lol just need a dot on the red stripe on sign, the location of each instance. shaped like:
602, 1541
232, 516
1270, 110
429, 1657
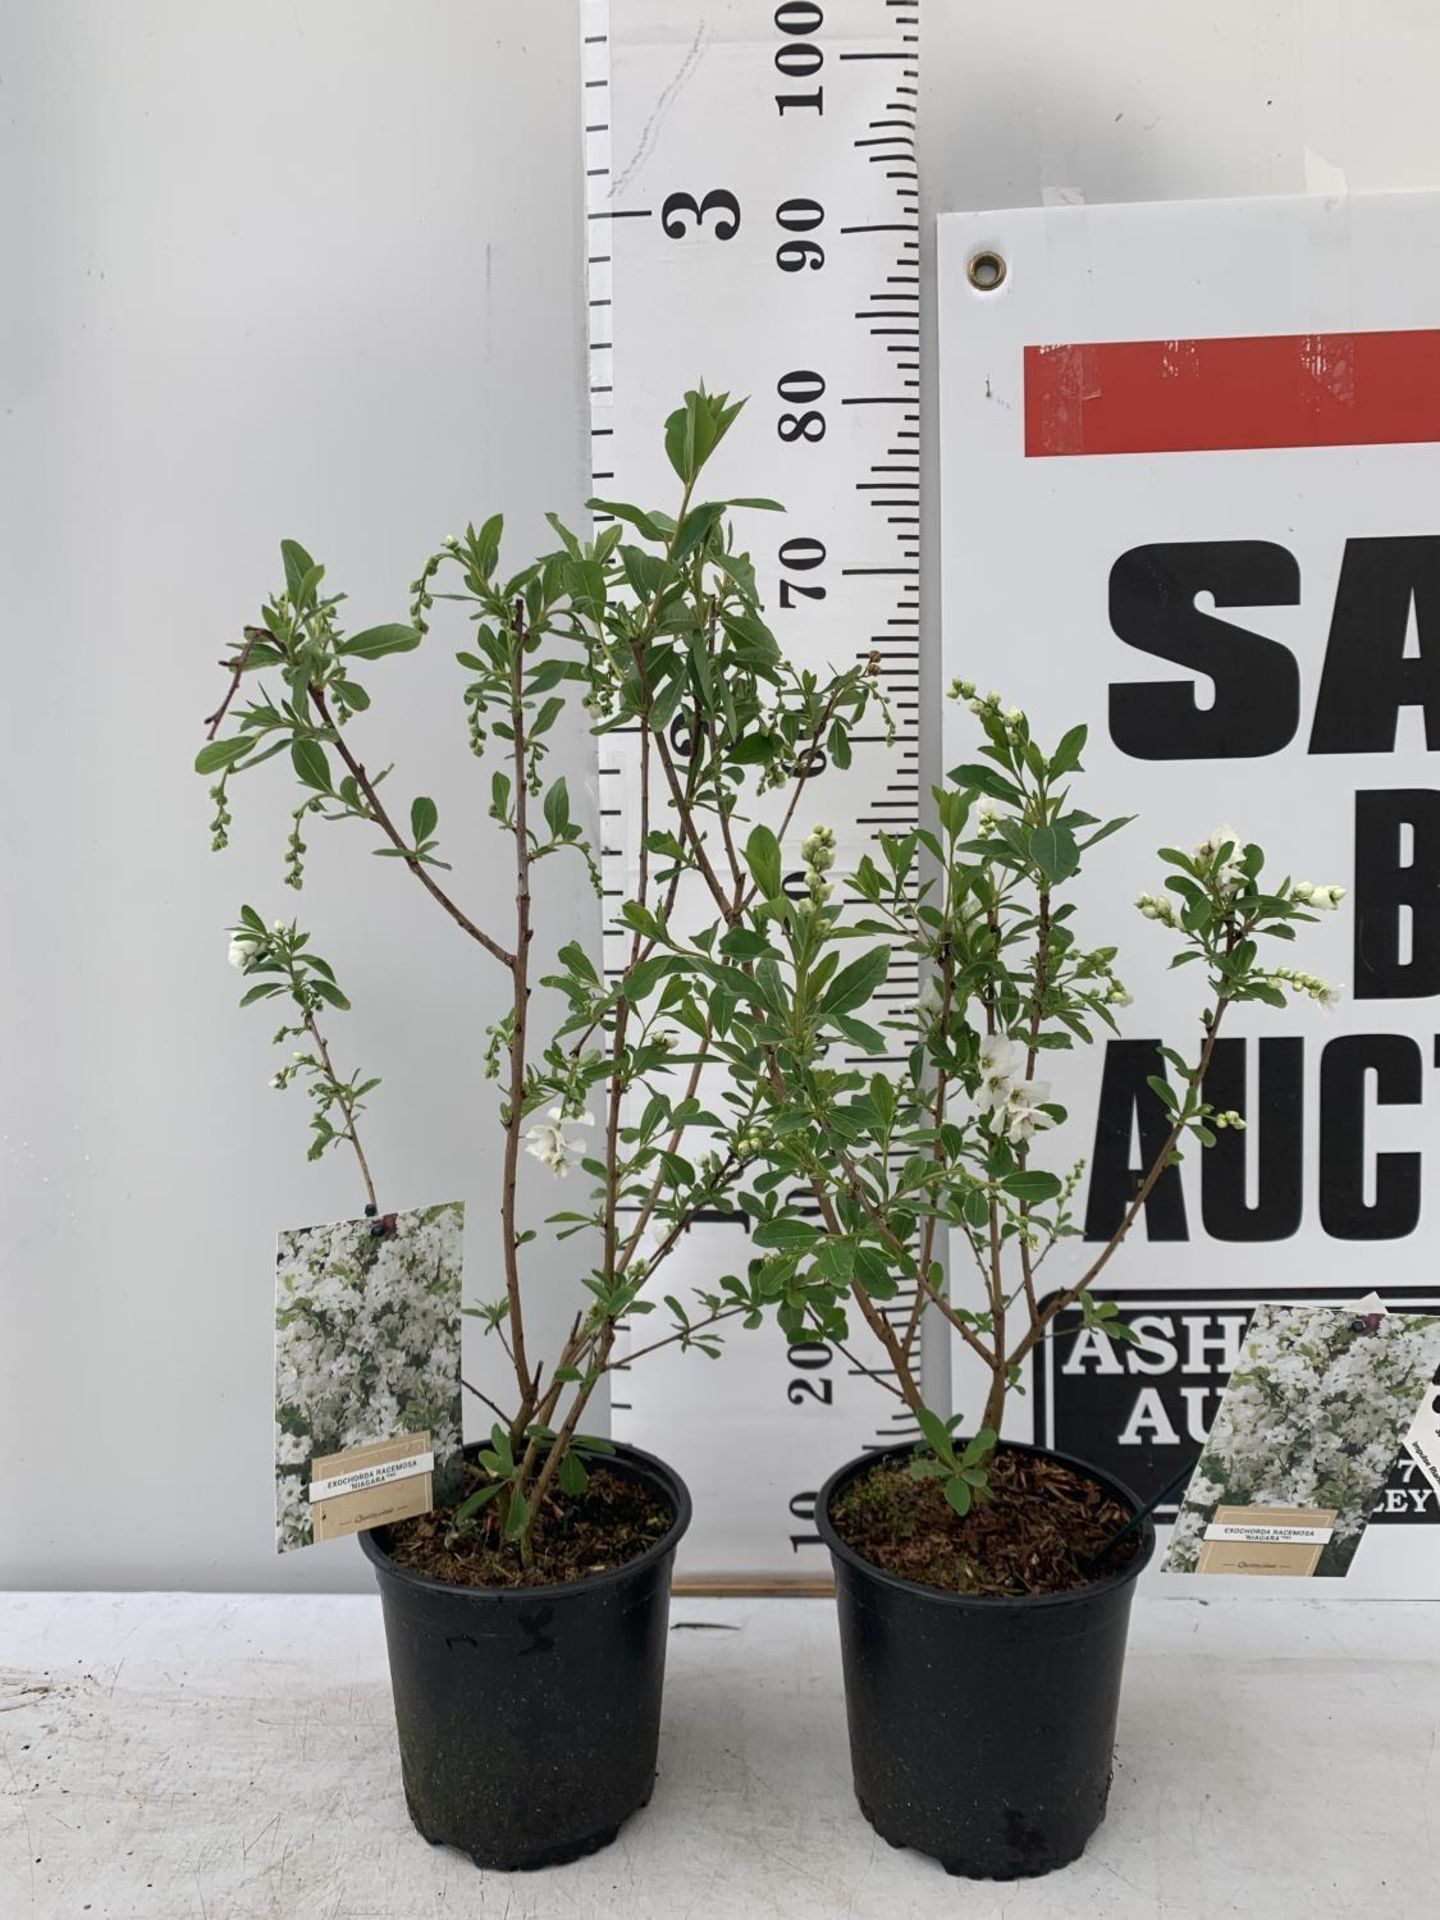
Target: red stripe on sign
1209, 396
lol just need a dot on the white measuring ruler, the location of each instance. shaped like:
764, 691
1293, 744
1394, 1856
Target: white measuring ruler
752, 220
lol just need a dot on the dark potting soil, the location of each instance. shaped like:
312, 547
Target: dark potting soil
611, 1523
1041, 1521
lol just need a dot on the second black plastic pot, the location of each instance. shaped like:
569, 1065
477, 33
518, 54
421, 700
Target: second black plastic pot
982, 1729
529, 1717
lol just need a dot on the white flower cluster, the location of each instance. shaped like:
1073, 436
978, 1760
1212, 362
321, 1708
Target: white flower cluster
1312, 1417
246, 946
1323, 899
1228, 1117
367, 1344
986, 705
817, 856
1015, 1105
1309, 984
549, 1142
1230, 876
1158, 906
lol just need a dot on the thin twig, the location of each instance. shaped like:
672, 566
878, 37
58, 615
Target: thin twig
212, 720
387, 826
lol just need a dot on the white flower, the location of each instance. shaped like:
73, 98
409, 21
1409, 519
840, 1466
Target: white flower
242, 950
929, 1003
1120, 996
1230, 877
1002, 1062
552, 1147
1329, 998
1322, 899
277, 926
1014, 716
277, 1080
986, 814
1024, 1110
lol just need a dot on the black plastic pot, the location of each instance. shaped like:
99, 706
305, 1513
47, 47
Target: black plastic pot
982, 1729
529, 1717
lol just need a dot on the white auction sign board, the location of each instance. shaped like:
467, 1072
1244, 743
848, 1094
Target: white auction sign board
1190, 461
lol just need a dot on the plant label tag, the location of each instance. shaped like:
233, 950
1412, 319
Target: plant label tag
1317, 1407
1423, 1438
1274, 1540
367, 1371
371, 1485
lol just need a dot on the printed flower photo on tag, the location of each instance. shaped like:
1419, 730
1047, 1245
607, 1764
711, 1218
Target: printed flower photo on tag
1314, 1414
367, 1370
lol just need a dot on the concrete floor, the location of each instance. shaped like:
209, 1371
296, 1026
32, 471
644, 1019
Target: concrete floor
233, 1759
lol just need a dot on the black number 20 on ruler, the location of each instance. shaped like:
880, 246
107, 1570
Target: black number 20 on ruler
752, 220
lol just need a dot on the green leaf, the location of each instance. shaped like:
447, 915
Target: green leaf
328, 990
957, 1492
297, 564
481, 1497
975, 1450
572, 1475
854, 985
1162, 1089
1066, 757
693, 432
216, 754
935, 1432
487, 543
1054, 851
762, 856
694, 528
742, 943
424, 818
557, 809
786, 1233
868, 1039
651, 526
308, 758
1031, 1186
375, 642
987, 780
353, 694
518, 1518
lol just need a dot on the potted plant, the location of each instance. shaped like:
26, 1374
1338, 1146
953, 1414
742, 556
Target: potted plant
983, 1586
527, 1682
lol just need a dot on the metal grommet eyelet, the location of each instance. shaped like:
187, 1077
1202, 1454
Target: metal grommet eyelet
985, 270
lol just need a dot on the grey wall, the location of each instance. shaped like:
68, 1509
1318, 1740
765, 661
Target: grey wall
315, 269
269, 269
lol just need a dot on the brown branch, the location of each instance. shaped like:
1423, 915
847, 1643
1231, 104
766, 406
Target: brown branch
345, 1107
1141, 1195
503, 1418
397, 839
519, 968
237, 668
